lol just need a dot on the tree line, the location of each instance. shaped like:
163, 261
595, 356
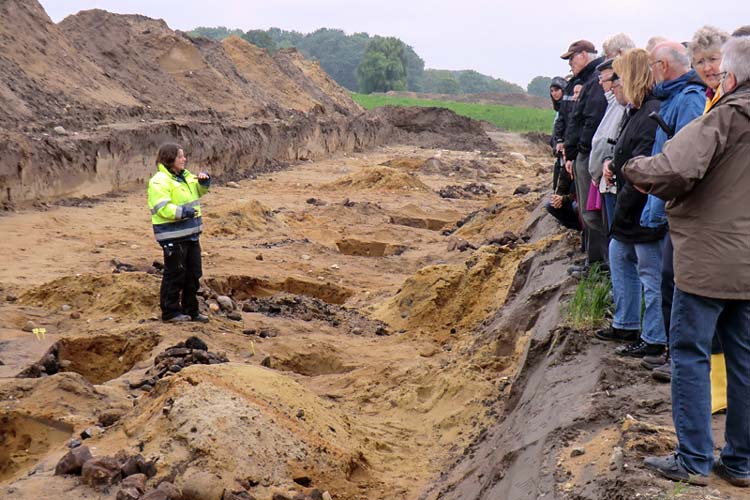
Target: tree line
364, 63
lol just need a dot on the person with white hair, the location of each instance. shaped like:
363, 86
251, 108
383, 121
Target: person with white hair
705, 52
704, 174
617, 45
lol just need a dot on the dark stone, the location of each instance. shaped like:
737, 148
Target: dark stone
522, 189
235, 316
268, 333
137, 481
129, 493
11, 298
172, 491
199, 357
177, 352
74, 443
155, 495
259, 257
136, 464
101, 471
110, 417
303, 481
73, 461
301, 414
249, 331
316, 495
266, 362
237, 495
280, 496
381, 331
175, 368
49, 362
196, 343
147, 387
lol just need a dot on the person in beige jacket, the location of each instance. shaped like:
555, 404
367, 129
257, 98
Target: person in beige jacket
704, 174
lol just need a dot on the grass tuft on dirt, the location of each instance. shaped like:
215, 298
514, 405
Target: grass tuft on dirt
592, 301
511, 118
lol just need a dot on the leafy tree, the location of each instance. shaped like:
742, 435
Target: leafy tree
383, 66
539, 86
414, 69
261, 39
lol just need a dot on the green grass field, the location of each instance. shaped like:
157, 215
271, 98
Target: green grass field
511, 118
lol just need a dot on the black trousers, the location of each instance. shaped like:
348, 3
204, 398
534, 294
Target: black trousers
180, 283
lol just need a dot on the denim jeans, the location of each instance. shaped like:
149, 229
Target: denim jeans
636, 269
695, 320
667, 278
609, 208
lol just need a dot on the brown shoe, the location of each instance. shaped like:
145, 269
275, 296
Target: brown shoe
662, 373
721, 470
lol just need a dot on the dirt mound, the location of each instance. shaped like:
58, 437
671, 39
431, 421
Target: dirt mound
253, 413
384, 178
124, 294
444, 298
437, 128
494, 220
244, 216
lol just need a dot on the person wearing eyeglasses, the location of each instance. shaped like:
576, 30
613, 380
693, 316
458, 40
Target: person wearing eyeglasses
704, 174
683, 97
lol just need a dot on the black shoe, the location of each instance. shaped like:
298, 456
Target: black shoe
670, 468
662, 373
618, 334
201, 318
721, 470
652, 362
178, 319
640, 348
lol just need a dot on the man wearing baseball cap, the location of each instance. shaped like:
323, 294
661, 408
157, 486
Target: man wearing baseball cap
585, 119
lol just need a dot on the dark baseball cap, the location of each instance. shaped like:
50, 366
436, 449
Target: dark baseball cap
579, 46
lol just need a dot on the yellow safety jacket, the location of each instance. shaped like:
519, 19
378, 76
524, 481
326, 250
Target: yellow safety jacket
169, 197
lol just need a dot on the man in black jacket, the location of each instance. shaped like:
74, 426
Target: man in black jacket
584, 121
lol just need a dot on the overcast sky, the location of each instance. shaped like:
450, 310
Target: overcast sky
513, 40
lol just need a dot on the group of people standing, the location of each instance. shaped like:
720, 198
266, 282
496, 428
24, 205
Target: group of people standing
653, 159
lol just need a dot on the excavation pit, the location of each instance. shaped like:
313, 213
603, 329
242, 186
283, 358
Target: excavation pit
24, 440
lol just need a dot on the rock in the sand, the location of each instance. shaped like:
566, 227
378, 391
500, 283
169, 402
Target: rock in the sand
327, 496
237, 495
60, 130
259, 256
101, 471
235, 316
232, 184
266, 362
172, 491
73, 461
517, 156
522, 189
225, 302
11, 298
137, 481
213, 306
201, 485
196, 343
136, 464
155, 495
110, 417
29, 326
577, 452
128, 494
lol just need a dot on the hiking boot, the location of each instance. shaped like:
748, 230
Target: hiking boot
671, 468
178, 319
201, 318
662, 373
651, 362
618, 334
721, 470
639, 349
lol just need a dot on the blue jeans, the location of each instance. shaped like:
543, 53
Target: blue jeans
695, 320
609, 207
636, 269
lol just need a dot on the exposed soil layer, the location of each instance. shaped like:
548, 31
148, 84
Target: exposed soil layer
331, 386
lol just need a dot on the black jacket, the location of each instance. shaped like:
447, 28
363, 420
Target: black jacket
636, 139
588, 112
565, 111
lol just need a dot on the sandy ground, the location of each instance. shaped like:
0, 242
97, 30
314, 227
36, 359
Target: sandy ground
382, 414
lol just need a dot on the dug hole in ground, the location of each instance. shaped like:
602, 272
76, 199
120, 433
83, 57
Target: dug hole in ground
386, 293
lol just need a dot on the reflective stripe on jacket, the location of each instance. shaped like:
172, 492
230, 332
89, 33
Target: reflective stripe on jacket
169, 197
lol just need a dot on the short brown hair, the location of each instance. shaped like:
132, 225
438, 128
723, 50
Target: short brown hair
635, 72
168, 154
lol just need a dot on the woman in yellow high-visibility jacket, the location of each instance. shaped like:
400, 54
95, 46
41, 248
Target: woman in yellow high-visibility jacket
173, 194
